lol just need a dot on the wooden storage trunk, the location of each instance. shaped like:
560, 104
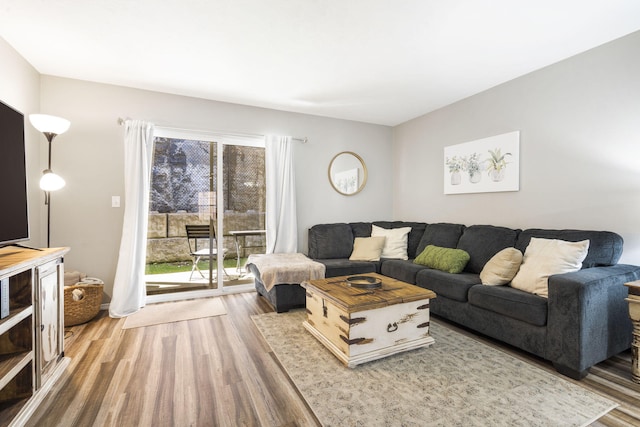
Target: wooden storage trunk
360, 325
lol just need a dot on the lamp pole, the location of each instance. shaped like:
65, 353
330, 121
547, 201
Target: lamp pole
51, 127
47, 193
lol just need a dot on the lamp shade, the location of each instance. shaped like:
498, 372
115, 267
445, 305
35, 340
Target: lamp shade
51, 182
49, 124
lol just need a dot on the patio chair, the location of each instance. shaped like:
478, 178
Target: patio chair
201, 232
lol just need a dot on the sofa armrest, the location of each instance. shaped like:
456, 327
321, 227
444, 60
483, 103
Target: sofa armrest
588, 318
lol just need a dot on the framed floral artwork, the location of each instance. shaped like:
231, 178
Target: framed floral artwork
484, 165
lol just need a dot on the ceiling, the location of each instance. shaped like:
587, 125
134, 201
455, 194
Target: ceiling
376, 61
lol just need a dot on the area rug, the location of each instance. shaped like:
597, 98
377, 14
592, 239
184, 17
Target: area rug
458, 381
155, 314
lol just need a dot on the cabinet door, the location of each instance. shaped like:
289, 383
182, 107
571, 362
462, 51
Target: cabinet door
49, 332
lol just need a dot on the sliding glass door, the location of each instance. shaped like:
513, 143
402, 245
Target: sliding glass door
207, 212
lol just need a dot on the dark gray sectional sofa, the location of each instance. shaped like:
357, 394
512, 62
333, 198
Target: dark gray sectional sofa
583, 321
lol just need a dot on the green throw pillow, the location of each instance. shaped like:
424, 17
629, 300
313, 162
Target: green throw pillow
444, 259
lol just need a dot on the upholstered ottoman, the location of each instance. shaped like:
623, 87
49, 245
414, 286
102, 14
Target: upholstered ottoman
278, 277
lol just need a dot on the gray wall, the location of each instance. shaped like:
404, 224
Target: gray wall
580, 141
90, 157
579, 149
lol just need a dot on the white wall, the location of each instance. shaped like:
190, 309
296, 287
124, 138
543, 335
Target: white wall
579, 149
20, 89
90, 157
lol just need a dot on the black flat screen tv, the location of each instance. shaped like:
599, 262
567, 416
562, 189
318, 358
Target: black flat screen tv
14, 212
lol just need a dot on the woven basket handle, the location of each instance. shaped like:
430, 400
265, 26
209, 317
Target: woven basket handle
78, 294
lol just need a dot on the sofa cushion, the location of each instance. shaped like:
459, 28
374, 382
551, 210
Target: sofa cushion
484, 241
546, 257
502, 267
328, 241
395, 244
448, 285
510, 302
605, 247
367, 248
444, 259
344, 267
413, 239
361, 229
401, 270
440, 234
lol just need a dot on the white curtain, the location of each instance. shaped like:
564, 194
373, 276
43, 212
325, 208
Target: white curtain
129, 290
281, 219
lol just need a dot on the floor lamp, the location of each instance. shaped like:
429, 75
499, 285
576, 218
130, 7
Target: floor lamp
50, 126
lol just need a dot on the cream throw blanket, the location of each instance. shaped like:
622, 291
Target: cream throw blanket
277, 269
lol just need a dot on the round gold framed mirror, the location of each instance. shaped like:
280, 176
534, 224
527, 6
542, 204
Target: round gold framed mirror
347, 173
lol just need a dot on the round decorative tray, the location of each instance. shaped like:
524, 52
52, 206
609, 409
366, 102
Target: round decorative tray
365, 282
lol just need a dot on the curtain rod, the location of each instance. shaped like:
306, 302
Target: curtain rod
303, 140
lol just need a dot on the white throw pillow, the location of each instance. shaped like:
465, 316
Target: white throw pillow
395, 245
546, 257
502, 267
367, 248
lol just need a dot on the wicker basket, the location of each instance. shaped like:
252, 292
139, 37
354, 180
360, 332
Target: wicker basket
84, 309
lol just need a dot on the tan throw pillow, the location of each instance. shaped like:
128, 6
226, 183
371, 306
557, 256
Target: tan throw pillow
395, 245
501, 268
546, 257
367, 248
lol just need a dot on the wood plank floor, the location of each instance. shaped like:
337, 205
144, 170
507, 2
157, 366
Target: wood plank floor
216, 371
219, 371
